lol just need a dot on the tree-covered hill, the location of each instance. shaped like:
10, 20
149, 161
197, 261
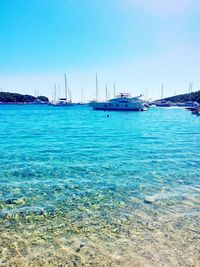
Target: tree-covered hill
195, 96
6, 97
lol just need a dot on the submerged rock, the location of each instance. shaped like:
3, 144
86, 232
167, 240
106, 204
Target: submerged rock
3, 214
150, 199
83, 244
16, 201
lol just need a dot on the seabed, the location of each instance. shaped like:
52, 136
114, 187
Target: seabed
93, 230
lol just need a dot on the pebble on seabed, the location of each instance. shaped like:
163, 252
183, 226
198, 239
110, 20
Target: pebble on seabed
82, 245
149, 199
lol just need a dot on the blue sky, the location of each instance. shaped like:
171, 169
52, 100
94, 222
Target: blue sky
132, 43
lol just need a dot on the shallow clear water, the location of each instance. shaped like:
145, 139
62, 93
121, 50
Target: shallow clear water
78, 188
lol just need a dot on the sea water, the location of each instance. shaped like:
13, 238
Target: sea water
80, 188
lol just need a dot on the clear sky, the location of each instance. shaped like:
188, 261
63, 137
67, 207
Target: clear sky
136, 44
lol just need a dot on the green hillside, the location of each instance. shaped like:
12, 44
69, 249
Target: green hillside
185, 97
6, 97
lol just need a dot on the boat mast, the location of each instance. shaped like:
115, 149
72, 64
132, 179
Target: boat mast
65, 87
114, 91
146, 93
59, 91
70, 95
162, 92
190, 90
69, 92
97, 89
191, 87
82, 95
106, 92
55, 92
52, 96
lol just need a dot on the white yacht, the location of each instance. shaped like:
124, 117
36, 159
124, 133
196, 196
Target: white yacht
63, 102
123, 101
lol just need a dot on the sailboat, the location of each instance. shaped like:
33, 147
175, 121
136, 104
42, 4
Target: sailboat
64, 101
162, 102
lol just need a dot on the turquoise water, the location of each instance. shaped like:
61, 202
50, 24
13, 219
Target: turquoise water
78, 188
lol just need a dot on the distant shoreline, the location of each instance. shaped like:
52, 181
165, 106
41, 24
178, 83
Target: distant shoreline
7, 98
22, 103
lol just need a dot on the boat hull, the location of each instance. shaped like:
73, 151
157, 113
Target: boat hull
119, 109
116, 106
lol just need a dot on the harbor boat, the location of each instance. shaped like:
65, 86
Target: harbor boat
189, 105
62, 102
162, 103
122, 102
66, 101
196, 111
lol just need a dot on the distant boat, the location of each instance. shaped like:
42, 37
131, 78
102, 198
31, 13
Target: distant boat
188, 104
123, 102
196, 112
63, 101
162, 103
195, 109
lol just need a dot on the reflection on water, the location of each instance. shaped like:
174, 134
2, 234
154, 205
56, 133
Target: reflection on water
81, 189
